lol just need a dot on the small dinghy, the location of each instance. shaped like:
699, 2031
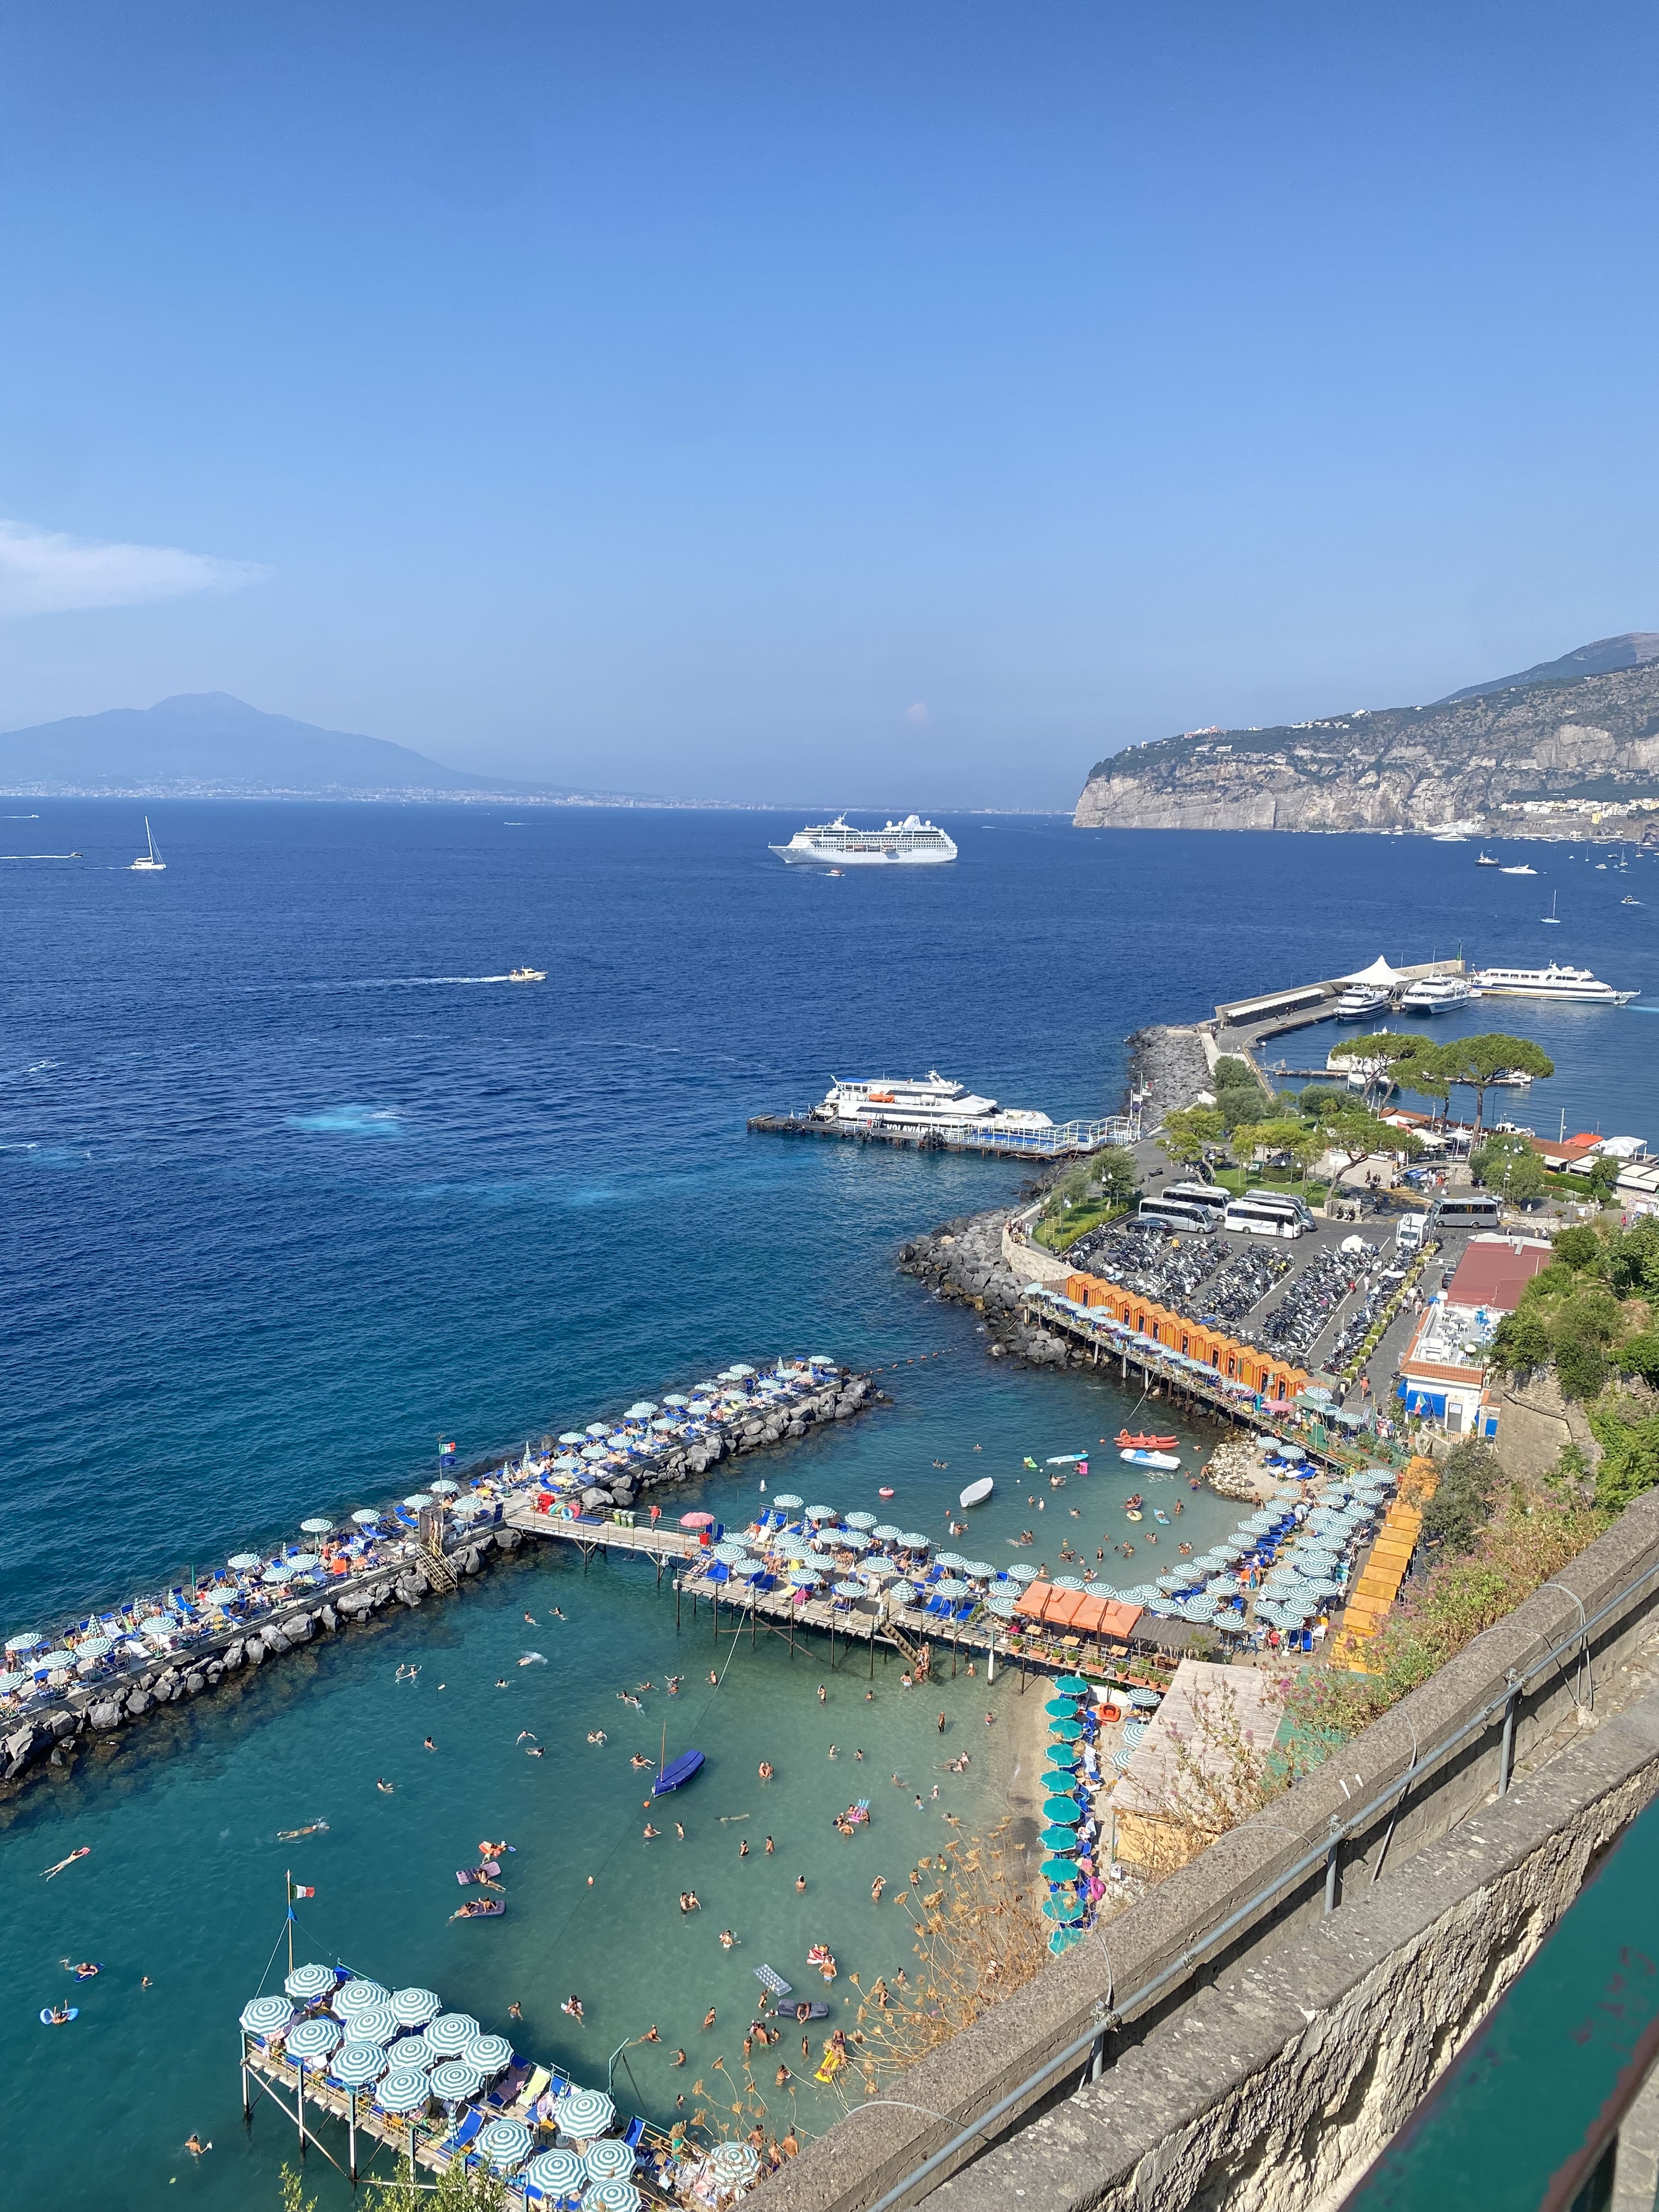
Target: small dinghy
677, 1771
1165, 1460
978, 1493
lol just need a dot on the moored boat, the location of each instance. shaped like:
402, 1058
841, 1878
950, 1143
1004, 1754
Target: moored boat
978, 1493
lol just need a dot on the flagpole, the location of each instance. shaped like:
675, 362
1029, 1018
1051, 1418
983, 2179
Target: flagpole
288, 1883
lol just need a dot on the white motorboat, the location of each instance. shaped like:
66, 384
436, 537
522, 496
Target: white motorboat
150, 863
1555, 981
978, 1493
1359, 1002
1436, 994
910, 843
1488, 860
528, 975
1524, 870
1166, 1461
914, 1107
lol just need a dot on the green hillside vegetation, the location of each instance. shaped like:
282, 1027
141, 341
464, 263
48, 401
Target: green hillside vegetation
1095, 1190
1590, 1314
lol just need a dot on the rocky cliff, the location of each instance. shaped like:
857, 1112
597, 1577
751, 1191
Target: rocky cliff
1586, 736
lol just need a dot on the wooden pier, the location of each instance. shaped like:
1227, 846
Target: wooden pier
843, 1633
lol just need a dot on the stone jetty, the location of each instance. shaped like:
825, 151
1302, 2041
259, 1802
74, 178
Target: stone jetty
1170, 1067
54, 1730
963, 1262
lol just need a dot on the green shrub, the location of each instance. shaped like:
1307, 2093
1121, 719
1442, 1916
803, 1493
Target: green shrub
1640, 1356
1461, 1504
1579, 1247
1521, 1341
1581, 1367
1630, 1456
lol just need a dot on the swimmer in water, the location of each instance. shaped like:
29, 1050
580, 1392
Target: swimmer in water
293, 1835
46, 1873
384, 1787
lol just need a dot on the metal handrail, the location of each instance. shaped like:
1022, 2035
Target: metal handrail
1342, 1831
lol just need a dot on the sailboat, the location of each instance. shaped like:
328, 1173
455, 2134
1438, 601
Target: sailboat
672, 1773
150, 862
1551, 918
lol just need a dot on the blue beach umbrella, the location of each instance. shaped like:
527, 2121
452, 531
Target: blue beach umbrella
611, 2159
1072, 1686
404, 2092
1068, 1731
1057, 1869
1065, 1909
611, 2197
311, 2040
506, 2143
356, 2064
267, 2016
1062, 1813
584, 2114
456, 2079
452, 2032
556, 2173
1057, 1840
306, 1984
1061, 1709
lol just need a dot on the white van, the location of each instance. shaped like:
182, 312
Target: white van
1408, 1236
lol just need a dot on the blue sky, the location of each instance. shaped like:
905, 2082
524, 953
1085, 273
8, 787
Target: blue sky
868, 402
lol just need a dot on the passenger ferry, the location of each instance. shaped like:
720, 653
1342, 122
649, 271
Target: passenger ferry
1554, 981
1360, 1001
917, 1106
1437, 995
910, 843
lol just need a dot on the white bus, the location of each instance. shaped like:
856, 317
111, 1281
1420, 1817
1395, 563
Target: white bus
1209, 1195
1169, 1211
1259, 1213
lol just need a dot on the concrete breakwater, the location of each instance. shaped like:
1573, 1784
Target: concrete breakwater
53, 1720
1170, 1065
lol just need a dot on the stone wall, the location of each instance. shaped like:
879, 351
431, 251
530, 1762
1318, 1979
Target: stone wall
1168, 1930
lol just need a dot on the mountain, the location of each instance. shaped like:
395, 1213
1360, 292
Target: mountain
1577, 737
1601, 659
206, 744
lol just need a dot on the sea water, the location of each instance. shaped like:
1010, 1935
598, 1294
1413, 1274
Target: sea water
293, 1187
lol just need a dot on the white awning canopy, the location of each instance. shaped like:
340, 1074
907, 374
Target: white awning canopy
1378, 972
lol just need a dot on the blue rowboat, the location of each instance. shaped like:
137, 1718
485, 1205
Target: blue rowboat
677, 1771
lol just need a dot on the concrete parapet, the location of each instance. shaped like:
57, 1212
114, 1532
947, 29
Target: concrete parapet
1172, 1931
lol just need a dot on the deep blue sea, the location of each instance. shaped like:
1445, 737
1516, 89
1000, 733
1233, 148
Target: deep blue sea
290, 1187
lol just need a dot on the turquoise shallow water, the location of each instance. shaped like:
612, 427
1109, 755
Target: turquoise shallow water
279, 1204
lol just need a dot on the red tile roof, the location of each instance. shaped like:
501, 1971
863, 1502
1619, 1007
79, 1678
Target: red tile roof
1494, 1272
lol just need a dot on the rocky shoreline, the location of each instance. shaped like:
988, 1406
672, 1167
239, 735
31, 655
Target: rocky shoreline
963, 1262
1168, 1064
55, 1735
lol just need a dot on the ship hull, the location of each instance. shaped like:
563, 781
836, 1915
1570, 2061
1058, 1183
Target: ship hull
801, 856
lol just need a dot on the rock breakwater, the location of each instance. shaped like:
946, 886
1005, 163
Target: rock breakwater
963, 1262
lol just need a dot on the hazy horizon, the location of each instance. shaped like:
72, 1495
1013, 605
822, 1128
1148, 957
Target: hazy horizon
748, 405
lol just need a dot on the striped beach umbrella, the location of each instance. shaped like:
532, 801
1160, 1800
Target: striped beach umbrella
1148, 1700
317, 1526
373, 2023
584, 2114
366, 1517
456, 2079
733, 1554
735, 2162
803, 1578
308, 1985
852, 1540
851, 1590
26, 1642
452, 2032
915, 1541
356, 2064
281, 1572
488, 2053
404, 2092
242, 1561
1022, 1574
506, 2143
1002, 1608
412, 2050
903, 1593
885, 1532
1068, 1582
817, 1513
949, 1559
556, 2173
414, 2007
952, 1587
611, 2197
303, 1562
311, 2040
356, 1996
787, 1499
865, 1521
610, 2160
94, 1647
1059, 1841
443, 1487
267, 2016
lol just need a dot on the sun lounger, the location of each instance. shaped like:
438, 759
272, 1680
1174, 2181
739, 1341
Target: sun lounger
456, 2144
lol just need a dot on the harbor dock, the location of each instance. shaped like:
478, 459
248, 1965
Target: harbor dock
1060, 1140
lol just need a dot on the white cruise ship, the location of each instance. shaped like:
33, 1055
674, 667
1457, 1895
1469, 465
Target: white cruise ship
918, 1105
910, 843
1436, 994
1551, 982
